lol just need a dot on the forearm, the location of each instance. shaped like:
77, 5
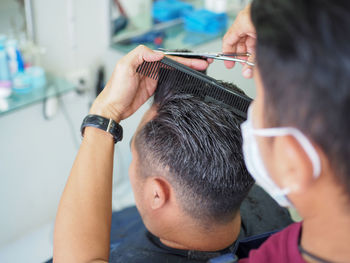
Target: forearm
82, 228
84, 215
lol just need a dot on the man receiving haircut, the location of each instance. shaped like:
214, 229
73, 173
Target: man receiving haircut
187, 174
189, 180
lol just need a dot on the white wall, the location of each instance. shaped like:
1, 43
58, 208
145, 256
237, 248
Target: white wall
74, 32
35, 158
36, 155
12, 20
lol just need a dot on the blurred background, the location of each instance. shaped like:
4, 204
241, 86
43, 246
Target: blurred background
55, 56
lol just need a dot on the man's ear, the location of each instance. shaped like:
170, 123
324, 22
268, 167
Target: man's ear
291, 165
159, 192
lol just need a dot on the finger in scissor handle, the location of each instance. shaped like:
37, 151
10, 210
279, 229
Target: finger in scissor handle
247, 70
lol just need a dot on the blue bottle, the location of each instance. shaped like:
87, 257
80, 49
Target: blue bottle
4, 67
15, 60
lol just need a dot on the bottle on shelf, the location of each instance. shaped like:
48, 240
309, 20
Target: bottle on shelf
5, 76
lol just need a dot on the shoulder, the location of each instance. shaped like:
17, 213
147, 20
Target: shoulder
280, 247
138, 247
261, 214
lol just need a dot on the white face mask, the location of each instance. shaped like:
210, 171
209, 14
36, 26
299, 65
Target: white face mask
254, 161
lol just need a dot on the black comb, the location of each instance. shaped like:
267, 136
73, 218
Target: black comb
202, 86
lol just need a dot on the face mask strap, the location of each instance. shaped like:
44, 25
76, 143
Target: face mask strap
256, 166
301, 138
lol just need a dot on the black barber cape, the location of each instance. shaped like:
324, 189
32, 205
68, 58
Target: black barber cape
131, 242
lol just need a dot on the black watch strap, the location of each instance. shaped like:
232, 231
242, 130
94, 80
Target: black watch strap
103, 123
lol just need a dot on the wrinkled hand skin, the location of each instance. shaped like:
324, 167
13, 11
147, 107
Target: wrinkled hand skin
241, 38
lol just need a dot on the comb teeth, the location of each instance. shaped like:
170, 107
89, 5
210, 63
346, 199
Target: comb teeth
196, 83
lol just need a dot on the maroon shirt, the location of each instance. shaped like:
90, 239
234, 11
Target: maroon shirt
280, 247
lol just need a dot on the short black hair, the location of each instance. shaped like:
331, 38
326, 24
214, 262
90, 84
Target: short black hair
303, 56
167, 89
198, 146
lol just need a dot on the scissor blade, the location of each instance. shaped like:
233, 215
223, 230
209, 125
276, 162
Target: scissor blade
236, 60
189, 54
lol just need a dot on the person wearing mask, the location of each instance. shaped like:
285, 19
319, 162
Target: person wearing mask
295, 139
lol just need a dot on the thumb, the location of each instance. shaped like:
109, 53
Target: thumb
141, 54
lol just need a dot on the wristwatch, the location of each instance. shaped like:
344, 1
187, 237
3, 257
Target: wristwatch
103, 123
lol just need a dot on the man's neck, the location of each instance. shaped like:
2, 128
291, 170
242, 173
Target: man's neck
327, 233
214, 238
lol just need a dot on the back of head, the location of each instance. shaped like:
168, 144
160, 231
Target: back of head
198, 147
304, 60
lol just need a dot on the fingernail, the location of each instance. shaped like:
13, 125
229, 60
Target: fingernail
159, 54
229, 64
247, 73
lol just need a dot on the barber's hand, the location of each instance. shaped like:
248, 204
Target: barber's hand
127, 90
241, 38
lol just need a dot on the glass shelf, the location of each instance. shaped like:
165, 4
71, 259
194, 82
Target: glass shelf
176, 37
55, 86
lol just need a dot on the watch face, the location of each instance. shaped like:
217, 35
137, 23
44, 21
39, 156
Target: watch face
119, 132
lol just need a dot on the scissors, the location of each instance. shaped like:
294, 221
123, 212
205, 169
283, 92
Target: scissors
213, 55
